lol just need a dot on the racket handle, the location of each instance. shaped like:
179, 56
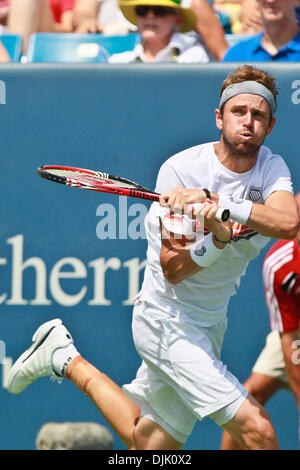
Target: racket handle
222, 215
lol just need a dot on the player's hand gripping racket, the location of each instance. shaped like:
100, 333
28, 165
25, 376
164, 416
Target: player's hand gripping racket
105, 182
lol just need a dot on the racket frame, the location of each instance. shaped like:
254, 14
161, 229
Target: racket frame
137, 191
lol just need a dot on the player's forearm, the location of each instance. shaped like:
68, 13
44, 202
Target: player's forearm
175, 259
178, 259
273, 223
178, 266
278, 217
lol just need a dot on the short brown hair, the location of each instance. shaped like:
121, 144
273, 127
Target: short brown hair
249, 72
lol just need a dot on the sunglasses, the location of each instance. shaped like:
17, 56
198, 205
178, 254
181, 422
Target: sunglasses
143, 10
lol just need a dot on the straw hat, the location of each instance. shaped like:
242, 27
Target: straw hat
189, 18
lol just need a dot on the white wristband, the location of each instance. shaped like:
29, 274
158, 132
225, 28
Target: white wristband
204, 252
240, 209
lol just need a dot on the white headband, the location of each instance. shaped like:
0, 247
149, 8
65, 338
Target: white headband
251, 87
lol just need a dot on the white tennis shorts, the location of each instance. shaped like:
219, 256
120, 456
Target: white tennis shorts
181, 378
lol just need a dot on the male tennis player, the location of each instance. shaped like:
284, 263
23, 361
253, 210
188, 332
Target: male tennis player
278, 365
179, 318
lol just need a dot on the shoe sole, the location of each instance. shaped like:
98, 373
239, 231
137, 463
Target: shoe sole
38, 339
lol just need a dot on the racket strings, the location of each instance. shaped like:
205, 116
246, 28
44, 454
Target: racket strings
86, 178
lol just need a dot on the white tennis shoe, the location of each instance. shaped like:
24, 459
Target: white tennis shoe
36, 361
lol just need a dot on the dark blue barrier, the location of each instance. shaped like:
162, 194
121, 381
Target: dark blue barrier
126, 120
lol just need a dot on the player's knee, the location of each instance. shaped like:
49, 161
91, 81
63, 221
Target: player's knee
133, 443
142, 434
260, 434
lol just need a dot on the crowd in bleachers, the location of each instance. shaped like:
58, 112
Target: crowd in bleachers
125, 31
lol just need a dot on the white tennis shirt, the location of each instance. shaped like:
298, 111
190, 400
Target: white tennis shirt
188, 50
204, 297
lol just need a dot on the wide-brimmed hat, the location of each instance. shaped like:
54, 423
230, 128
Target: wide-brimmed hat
189, 18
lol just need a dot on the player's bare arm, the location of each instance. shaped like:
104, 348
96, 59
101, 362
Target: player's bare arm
175, 256
178, 197
278, 217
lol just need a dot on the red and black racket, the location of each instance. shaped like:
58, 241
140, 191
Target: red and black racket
104, 182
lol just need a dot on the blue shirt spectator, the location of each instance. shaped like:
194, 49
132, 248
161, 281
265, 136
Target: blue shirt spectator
279, 39
253, 50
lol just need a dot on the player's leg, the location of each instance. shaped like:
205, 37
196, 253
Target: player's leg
151, 436
267, 377
251, 427
135, 431
53, 353
262, 388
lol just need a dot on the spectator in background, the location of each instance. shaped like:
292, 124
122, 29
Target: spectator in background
4, 8
278, 41
244, 15
230, 9
209, 27
86, 16
92, 16
31, 16
160, 23
278, 366
250, 18
4, 56
106, 16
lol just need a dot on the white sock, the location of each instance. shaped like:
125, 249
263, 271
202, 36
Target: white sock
62, 357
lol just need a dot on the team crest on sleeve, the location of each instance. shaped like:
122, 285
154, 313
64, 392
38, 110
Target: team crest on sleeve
200, 250
254, 193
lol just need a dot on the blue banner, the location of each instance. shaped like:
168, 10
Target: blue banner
80, 255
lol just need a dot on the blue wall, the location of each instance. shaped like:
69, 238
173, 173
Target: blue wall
126, 120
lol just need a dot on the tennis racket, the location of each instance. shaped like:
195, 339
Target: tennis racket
105, 182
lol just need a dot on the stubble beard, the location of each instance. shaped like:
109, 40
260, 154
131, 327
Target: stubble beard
248, 150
